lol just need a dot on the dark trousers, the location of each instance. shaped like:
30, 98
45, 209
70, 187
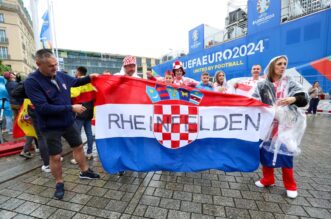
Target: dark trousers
41, 142
313, 105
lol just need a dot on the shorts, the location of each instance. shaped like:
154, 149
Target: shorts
53, 139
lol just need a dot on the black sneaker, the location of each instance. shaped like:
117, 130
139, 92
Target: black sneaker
59, 191
89, 174
121, 173
26, 155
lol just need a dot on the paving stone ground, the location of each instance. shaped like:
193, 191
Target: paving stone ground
208, 194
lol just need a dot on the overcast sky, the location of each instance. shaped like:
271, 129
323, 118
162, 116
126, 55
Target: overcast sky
139, 27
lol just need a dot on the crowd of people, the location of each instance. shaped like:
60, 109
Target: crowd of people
58, 110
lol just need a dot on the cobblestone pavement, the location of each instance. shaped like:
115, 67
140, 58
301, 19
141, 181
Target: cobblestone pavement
208, 194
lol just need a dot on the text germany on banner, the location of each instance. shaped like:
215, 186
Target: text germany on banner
147, 126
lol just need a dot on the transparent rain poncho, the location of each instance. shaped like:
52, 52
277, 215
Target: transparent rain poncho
289, 125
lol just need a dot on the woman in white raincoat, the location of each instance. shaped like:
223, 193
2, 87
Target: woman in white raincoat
281, 143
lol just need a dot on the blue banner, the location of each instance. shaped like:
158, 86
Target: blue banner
263, 14
196, 39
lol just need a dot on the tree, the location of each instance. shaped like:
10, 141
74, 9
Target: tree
3, 68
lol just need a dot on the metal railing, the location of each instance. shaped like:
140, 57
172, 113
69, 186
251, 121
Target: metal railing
232, 31
293, 9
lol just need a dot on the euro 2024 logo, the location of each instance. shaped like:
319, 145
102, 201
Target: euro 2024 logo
195, 35
262, 6
195, 38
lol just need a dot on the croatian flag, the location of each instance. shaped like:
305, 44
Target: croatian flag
139, 128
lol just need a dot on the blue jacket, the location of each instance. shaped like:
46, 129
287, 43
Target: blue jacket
204, 86
4, 94
52, 103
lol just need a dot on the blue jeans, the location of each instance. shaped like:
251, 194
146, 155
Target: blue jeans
88, 131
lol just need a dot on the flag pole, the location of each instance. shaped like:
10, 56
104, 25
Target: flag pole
35, 22
54, 30
51, 25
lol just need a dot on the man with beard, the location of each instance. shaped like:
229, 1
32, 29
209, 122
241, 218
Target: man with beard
129, 67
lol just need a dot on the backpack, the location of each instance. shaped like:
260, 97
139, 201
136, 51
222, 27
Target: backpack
19, 92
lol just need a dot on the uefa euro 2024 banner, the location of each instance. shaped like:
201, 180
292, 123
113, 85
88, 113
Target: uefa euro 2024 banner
145, 125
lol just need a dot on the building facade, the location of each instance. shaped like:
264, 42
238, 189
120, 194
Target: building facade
96, 62
17, 46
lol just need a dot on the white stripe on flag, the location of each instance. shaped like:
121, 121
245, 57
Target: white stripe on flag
134, 120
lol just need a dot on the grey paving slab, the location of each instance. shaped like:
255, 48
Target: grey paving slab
60, 213
178, 214
192, 207
318, 212
43, 211
27, 207
7, 214
155, 212
213, 210
11, 204
170, 203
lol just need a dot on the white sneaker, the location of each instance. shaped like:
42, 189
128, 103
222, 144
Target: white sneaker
36, 150
260, 185
73, 161
292, 194
45, 169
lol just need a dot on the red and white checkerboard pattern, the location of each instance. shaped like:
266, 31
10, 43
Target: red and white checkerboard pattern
129, 60
175, 126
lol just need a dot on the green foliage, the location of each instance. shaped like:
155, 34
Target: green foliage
3, 68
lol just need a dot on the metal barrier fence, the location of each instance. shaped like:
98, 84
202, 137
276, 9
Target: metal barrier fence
292, 9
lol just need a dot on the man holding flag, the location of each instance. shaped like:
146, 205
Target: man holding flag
49, 91
247, 87
129, 67
84, 95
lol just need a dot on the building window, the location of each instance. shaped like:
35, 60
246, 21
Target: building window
3, 52
2, 18
148, 62
3, 37
138, 60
